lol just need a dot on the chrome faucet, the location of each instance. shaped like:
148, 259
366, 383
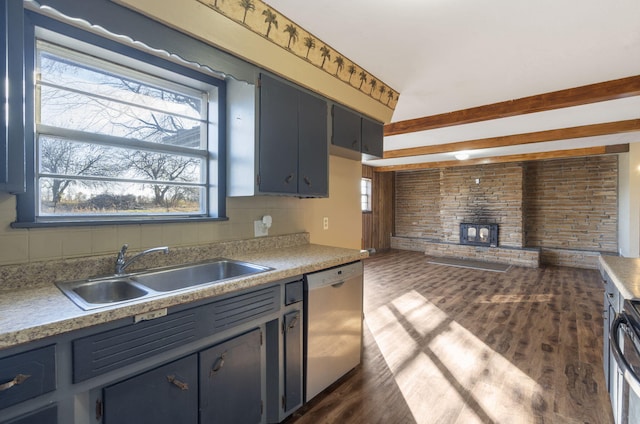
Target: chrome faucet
122, 263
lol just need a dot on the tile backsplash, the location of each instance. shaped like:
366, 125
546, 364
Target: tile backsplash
19, 246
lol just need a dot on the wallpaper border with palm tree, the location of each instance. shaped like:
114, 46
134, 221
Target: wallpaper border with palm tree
267, 22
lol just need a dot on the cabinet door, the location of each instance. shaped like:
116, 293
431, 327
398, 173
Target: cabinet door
167, 394
292, 360
372, 138
48, 415
313, 147
12, 155
27, 375
230, 381
605, 339
346, 128
278, 144
615, 378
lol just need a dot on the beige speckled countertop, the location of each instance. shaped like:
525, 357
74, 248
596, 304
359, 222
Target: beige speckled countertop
32, 312
625, 273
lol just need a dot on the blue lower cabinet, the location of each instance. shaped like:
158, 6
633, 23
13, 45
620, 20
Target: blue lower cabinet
27, 375
292, 361
165, 395
48, 415
230, 388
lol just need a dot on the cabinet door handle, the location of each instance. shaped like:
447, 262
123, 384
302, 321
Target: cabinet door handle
217, 365
307, 180
288, 179
292, 323
180, 384
18, 379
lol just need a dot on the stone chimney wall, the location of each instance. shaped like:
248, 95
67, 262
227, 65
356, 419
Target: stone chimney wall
490, 194
561, 206
572, 204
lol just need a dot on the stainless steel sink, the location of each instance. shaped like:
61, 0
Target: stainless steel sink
101, 292
108, 291
171, 279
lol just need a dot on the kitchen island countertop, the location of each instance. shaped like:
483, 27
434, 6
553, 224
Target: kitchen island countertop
625, 274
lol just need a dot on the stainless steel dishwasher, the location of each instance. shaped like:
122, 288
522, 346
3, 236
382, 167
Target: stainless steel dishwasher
333, 325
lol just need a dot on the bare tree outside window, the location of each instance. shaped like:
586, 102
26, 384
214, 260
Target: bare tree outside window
128, 145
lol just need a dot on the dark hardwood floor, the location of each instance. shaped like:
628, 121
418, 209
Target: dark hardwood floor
453, 345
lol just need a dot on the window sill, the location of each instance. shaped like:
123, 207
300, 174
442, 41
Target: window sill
60, 223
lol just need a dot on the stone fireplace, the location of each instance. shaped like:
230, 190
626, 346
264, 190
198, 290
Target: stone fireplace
559, 212
479, 234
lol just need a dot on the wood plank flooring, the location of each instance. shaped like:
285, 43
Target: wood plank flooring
453, 345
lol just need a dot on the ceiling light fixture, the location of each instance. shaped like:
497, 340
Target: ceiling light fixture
462, 156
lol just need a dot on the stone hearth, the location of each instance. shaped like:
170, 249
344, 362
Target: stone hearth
520, 257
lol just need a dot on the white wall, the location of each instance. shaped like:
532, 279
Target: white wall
629, 202
342, 208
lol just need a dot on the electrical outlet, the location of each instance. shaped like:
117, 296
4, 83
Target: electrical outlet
325, 223
259, 229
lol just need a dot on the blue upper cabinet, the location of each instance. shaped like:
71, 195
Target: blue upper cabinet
293, 147
12, 167
372, 138
355, 136
313, 147
346, 129
278, 147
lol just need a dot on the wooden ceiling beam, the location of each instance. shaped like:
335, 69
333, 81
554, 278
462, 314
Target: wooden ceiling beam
557, 154
608, 90
516, 139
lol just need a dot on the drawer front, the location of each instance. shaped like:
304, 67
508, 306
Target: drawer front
104, 352
613, 294
108, 351
48, 415
293, 292
27, 375
227, 313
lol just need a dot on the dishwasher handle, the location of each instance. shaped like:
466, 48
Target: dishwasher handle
334, 276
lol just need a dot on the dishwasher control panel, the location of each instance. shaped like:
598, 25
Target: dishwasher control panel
334, 275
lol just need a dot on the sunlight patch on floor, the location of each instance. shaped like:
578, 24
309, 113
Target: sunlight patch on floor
444, 372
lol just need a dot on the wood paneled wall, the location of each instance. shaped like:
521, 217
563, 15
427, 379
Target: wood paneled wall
378, 225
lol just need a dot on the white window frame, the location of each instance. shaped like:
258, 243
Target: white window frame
365, 194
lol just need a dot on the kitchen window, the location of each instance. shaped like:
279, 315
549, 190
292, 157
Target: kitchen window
119, 135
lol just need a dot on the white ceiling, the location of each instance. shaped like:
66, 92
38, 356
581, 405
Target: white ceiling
448, 55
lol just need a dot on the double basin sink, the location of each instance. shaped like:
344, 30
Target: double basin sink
100, 292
